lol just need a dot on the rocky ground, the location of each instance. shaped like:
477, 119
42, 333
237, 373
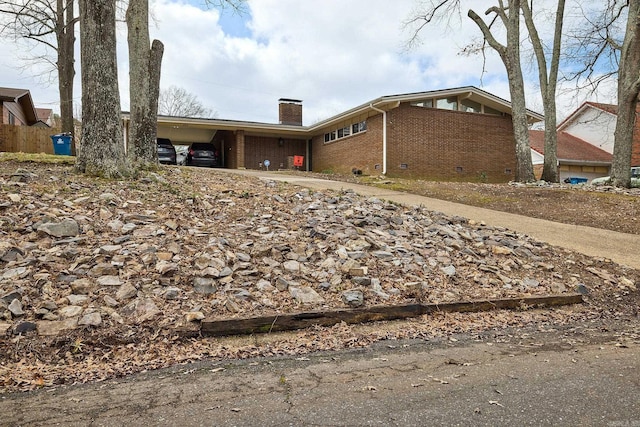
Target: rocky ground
103, 278
603, 207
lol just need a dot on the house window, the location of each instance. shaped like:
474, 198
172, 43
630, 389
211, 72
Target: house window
450, 103
426, 103
470, 106
345, 131
12, 118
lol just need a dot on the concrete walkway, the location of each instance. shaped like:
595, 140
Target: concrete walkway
621, 248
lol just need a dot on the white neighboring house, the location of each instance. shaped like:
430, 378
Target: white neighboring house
593, 122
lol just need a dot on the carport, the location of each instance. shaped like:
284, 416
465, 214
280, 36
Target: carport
241, 144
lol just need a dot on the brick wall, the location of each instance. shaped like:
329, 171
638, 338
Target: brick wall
361, 151
224, 141
290, 113
261, 148
431, 143
234, 157
449, 145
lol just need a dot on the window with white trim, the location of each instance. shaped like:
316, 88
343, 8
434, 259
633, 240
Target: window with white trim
453, 103
345, 131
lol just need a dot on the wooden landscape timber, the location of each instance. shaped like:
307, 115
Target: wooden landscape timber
293, 321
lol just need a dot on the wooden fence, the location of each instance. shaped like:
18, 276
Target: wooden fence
26, 139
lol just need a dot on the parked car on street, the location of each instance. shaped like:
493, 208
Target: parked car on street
202, 154
166, 152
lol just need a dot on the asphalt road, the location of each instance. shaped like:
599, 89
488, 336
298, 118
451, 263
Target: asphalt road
537, 379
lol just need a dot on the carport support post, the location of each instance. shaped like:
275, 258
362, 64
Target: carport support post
240, 149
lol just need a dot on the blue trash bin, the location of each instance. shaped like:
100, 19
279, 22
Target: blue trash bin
577, 180
61, 144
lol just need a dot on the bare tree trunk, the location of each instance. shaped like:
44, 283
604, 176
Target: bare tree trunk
628, 90
510, 55
102, 152
65, 35
155, 66
144, 77
548, 84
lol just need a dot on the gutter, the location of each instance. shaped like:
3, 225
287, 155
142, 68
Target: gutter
384, 137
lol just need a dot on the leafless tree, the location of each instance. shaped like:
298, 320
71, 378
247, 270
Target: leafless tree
548, 77
102, 152
176, 101
50, 23
508, 15
628, 91
608, 46
144, 86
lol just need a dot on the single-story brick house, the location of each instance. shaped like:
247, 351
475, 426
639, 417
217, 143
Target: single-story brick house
453, 134
576, 157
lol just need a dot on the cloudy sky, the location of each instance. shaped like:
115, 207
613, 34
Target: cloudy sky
333, 55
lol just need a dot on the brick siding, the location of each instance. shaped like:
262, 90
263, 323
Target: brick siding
290, 113
261, 148
432, 144
361, 151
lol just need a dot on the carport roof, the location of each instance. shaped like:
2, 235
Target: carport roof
222, 124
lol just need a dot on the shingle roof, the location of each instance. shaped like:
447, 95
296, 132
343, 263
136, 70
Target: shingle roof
11, 94
609, 108
22, 97
44, 114
570, 148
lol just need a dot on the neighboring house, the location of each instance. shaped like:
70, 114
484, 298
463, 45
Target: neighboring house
16, 107
576, 157
45, 117
454, 134
596, 123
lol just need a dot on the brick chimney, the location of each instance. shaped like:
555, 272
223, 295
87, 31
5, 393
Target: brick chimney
290, 111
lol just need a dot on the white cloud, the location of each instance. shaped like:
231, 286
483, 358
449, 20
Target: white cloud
334, 55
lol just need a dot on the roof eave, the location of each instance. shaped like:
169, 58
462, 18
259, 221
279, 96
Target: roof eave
265, 128
584, 162
392, 101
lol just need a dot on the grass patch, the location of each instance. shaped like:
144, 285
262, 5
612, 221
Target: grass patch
37, 158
